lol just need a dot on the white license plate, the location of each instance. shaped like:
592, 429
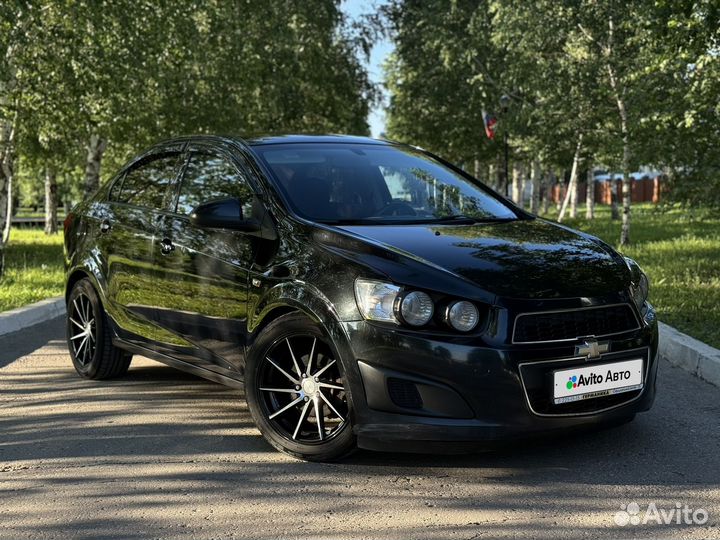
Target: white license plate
597, 380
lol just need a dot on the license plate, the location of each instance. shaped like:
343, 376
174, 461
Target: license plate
597, 380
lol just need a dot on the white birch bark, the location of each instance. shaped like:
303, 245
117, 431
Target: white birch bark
572, 185
590, 192
51, 200
535, 178
624, 130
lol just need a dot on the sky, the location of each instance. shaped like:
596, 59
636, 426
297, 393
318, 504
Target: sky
355, 8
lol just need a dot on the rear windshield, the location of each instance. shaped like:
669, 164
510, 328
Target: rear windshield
356, 183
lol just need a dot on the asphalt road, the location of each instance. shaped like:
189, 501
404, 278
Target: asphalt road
161, 454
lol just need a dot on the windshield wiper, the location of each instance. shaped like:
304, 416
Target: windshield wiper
459, 218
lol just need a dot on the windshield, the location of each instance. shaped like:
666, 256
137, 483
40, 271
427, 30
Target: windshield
356, 183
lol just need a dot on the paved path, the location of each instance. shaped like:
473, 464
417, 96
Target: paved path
161, 454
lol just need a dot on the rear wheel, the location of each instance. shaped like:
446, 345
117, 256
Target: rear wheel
89, 337
296, 391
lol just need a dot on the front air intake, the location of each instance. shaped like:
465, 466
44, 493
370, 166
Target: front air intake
404, 393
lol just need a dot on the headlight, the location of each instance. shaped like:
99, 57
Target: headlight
416, 308
640, 291
462, 316
640, 286
376, 300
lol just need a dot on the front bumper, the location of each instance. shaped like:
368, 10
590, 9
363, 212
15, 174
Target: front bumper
468, 394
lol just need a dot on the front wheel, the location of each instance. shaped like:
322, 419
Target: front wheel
296, 391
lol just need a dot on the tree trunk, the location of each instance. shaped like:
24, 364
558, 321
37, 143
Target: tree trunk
574, 192
7, 162
535, 176
590, 193
622, 112
627, 189
95, 149
51, 202
548, 185
572, 185
614, 214
517, 184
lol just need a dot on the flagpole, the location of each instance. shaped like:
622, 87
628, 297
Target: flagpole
504, 104
507, 163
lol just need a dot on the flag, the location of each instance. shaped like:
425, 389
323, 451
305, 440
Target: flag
490, 122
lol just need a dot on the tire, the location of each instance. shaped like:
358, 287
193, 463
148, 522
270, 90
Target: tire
89, 336
284, 401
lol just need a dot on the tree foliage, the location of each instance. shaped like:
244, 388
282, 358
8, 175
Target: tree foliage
638, 80
95, 80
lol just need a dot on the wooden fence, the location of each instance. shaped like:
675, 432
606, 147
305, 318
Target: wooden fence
645, 190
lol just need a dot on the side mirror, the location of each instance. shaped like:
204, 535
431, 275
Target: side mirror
223, 214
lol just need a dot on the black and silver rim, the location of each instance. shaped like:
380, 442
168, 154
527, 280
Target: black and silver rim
83, 329
301, 390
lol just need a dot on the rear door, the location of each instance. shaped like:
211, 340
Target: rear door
204, 272
137, 201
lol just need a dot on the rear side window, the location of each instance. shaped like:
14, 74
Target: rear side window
209, 177
146, 184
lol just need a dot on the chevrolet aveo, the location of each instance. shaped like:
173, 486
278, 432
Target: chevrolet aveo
363, 293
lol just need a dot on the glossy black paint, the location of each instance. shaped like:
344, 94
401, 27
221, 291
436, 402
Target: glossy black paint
196, 291
223, 214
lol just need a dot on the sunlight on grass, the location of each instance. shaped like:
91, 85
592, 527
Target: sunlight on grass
34, 268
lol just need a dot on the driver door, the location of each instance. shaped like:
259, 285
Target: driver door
205, 270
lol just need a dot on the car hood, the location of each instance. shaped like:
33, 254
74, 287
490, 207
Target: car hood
529, 258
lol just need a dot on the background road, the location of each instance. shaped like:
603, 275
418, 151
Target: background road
161, 454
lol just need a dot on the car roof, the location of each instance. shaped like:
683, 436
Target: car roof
299, 138
262, 140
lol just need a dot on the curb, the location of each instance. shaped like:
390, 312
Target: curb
689, 354
26, 316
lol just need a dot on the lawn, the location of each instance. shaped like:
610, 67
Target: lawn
34, 268
679, 250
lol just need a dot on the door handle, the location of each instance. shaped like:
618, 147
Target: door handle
105, 226
166, 246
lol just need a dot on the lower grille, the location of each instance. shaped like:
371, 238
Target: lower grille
572, 324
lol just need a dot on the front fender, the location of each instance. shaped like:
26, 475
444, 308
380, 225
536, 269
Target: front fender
294, 295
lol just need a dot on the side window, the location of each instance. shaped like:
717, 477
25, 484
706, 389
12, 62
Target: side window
209, 177
114, 194
146, 184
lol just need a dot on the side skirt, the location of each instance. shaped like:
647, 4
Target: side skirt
177, 364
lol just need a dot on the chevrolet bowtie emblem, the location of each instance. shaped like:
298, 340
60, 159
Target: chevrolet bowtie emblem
592, 348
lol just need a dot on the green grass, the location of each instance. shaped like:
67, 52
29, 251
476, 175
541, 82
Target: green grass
33, 268
679, 250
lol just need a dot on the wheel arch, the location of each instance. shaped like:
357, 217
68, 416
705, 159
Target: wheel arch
81, 272
291, 297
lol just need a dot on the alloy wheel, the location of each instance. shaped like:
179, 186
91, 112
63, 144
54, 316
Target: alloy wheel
301, 390
83, 338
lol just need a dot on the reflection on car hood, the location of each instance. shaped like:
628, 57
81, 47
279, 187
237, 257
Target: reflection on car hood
518, 259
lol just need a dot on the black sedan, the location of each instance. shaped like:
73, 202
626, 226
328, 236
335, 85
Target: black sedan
364, 293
